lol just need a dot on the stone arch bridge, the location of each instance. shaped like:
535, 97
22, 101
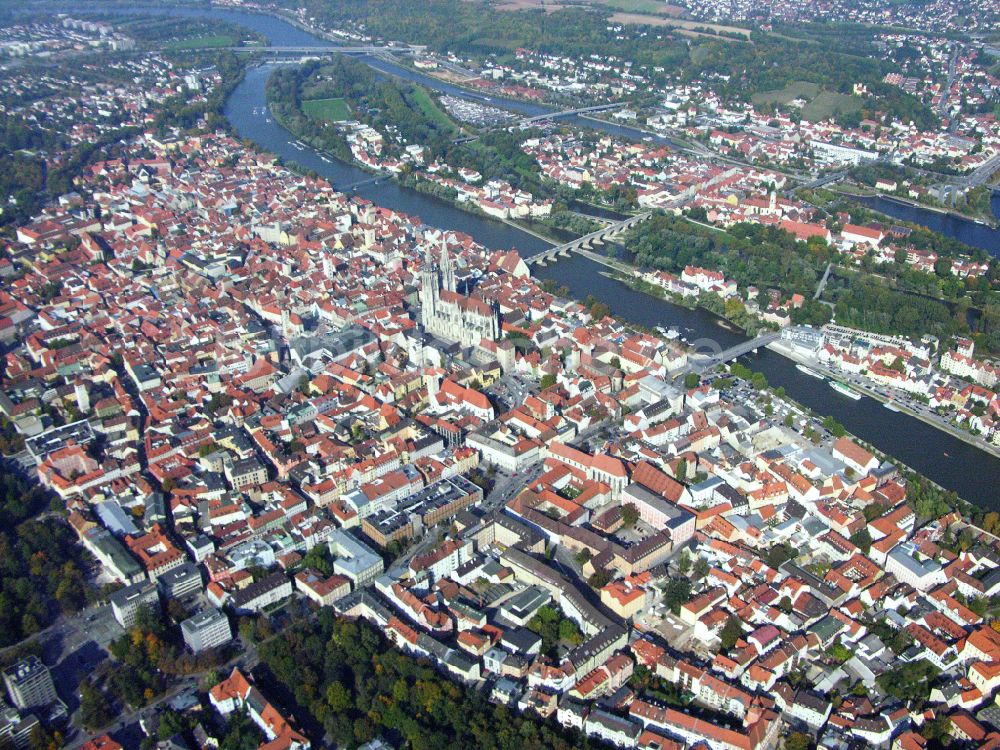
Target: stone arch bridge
586, 242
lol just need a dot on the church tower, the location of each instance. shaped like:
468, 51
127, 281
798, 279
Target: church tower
447, 272
494, 325
428, 290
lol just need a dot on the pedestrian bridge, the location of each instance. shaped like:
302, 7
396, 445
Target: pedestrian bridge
587, 241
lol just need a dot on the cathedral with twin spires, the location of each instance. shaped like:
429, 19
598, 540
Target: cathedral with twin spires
446, 313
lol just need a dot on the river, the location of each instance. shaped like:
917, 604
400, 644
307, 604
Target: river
952, 463
965, 230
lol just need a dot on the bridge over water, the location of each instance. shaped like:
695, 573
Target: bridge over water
699, 363
316, 50
588, 240
527, 121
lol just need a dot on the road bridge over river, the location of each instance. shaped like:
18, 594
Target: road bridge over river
700, 363
528, 121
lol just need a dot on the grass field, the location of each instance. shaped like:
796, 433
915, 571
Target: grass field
422, 101
794, 90
328, 110
200, 42
683, 26
656, 7
820, 103
547, 5
830, 103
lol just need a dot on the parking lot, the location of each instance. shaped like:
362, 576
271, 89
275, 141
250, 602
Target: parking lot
474, 113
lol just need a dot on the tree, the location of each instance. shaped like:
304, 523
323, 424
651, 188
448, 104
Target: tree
834, 427
732, 631
691, 380
630, 515
171, 723
684, 562
569, 632
241, 733
42, 739
862, 539
338, 697
839, 652
910, 682
95, 712
676, 593
779, 554
548, 380
873, 511
319, 559
936, 730
798, 741
700, 569
599, 579
391, 693
599, 311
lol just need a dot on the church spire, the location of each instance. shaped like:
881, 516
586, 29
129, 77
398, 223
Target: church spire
428, 288
447, 272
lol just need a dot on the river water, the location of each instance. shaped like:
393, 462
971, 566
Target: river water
970, 232
952, 463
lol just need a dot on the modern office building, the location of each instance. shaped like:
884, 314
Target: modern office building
262, 593
180, 581
126, 602
29, 684
207, 629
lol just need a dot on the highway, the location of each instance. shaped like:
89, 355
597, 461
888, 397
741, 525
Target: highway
982, 175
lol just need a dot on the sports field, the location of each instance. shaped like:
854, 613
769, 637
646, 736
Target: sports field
328, 110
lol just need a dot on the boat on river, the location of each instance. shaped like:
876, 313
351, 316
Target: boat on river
843, 390
809, 371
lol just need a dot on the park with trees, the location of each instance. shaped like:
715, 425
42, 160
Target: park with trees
341, 677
